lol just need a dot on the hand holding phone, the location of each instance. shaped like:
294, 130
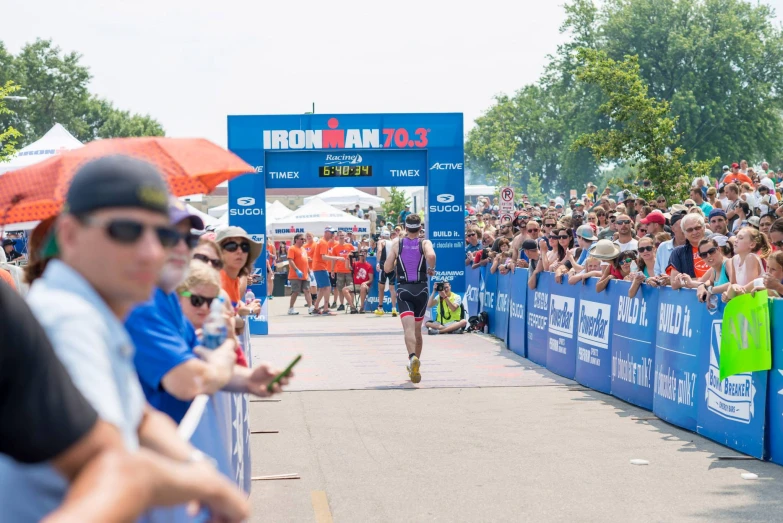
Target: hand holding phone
283, 374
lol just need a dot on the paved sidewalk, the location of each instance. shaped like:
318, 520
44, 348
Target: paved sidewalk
490, 437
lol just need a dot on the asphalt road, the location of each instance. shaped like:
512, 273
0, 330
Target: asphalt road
486, 436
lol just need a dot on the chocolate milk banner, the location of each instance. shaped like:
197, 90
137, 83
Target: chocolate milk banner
659, 350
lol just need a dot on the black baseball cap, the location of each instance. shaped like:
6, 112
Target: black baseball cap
111, 182
117, 181
529, 245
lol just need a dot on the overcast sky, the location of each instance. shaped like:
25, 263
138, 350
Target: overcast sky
191, 63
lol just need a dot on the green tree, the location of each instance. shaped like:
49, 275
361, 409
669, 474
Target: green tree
398, 200
641, 128
8, 135
534, 191
56, 86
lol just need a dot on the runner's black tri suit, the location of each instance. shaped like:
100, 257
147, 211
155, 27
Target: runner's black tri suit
412, 288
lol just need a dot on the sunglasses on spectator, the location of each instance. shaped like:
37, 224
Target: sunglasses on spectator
709, 252
628, 260
561, 237
233, 246
623, 222
661, 201
533, 230
549, 225
197, 300
688, 205
612, 219
779, 245
693, 229
127, 232
216, 264
470, 234
649, 248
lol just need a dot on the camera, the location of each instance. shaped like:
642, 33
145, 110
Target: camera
439, 286
354, 255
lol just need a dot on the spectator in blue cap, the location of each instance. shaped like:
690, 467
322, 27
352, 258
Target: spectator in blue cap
718, 223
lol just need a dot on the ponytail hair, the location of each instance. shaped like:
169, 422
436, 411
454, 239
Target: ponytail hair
760, 241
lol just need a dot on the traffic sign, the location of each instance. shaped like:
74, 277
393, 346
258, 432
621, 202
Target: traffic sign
506, 200
506, 218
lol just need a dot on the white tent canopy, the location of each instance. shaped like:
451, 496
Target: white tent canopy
206, 218
219, 210
347, 197
314, 217
480, 190
55, 141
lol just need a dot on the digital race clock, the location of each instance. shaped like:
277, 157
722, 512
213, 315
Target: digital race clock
327, 171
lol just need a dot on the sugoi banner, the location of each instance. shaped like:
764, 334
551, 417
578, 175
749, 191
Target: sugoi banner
502, 306
517, 318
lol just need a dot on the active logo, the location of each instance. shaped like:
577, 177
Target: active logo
445, 198
336, 138
246, 201
446, 167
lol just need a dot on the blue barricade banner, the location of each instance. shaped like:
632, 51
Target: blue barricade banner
482, 285
538, 320
731, 412
502, 306
594, 326
371, 303
517, 314
775, 400
677, 348
472, 287
633, 342
561, 345
489, 301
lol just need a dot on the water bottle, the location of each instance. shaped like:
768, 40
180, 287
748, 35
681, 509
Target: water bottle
214, 330
249, 296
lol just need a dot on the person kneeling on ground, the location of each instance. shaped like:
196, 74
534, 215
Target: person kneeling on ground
450, 317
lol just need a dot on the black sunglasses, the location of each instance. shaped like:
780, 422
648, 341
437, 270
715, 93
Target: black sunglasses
197, 300
562, 237
623, 222
688, 205
470, 234
129, 231
649, 248
709, 252
233, 246
532, 230
216, 264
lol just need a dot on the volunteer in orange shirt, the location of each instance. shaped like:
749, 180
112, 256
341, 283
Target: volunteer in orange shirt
332, 273
309, 248
321, 265
341, 268
298, 275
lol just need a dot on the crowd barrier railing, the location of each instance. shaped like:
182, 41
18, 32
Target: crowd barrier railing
658, 350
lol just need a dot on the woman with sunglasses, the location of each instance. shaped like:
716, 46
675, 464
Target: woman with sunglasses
601, 222
239, 253
660, 202
624, 265
208, 251
717, 252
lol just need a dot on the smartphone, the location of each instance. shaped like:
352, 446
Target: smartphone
283, 374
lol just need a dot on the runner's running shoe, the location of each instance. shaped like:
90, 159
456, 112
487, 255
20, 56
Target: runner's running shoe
379, 311
413, 369
394, 313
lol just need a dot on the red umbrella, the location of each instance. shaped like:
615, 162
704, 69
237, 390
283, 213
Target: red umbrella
189, 166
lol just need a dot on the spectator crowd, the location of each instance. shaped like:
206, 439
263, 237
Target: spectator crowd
724, 240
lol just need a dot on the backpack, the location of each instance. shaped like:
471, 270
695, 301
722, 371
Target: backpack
478, 323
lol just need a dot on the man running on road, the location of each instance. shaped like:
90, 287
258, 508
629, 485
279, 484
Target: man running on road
416, 261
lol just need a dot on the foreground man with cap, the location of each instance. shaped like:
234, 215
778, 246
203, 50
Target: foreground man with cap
416, 261
111, 238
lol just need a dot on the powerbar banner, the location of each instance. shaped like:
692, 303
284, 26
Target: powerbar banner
561, 347
594, 325
745, 345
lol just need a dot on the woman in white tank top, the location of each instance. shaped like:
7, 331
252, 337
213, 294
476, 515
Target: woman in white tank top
747, 266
